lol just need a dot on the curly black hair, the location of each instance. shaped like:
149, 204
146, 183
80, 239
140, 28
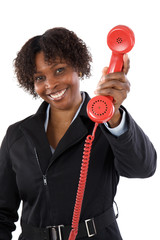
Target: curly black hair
56, 42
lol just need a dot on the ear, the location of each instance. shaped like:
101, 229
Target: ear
80, 74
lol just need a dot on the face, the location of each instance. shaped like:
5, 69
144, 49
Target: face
57, 83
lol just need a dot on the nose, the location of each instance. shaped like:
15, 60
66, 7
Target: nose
51, 83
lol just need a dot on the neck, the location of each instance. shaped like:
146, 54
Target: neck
63, 116
59, 122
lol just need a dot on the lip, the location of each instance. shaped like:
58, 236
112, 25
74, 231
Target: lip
58, 95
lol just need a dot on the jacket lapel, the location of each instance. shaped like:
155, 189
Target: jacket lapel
33, 129
74, 134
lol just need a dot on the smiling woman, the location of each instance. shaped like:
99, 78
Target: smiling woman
41, 155
57, 83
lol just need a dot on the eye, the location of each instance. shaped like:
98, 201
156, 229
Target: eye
60, 70
39, 78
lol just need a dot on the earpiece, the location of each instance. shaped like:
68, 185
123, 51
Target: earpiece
120, 40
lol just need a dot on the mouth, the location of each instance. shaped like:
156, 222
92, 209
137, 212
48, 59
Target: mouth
58, 95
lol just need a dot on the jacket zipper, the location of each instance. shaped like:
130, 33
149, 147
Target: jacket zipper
45, 180
43, 175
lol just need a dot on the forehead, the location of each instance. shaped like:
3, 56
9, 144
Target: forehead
41, 63
40, 58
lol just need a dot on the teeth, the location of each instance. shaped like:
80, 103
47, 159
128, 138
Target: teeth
58, 94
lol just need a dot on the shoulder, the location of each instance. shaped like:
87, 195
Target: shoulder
13, 132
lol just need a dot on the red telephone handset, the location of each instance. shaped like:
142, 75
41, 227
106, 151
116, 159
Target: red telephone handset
120, 40
100, 109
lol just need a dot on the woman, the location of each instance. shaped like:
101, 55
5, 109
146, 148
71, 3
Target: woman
40, 157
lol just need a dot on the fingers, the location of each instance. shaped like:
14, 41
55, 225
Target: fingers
118, 95
115, 85
120, 76
104, 71
126, 63
108, 87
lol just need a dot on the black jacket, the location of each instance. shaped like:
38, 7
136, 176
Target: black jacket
47, 183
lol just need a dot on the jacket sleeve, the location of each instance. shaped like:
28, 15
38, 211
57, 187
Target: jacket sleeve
9, 197
135, 156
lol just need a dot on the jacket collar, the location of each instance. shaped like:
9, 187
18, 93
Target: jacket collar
33, 128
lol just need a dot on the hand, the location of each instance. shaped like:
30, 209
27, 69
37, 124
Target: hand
115, 85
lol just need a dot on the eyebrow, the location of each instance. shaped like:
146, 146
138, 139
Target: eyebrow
53, 65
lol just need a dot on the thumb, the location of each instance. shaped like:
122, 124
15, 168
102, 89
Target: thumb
102, 79
104, 71
126, 64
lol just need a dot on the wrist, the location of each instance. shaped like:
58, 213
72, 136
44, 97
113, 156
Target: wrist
115, 120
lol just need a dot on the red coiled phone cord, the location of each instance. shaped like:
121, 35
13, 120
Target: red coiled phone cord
82, 184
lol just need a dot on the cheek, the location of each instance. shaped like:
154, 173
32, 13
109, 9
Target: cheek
39, 89
75, 80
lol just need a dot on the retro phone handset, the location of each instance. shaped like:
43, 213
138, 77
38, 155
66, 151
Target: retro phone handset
100, 109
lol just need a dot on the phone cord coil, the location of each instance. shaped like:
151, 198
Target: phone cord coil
82, 184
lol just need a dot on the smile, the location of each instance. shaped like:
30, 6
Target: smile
58, 95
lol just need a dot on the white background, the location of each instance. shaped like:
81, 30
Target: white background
138, 200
